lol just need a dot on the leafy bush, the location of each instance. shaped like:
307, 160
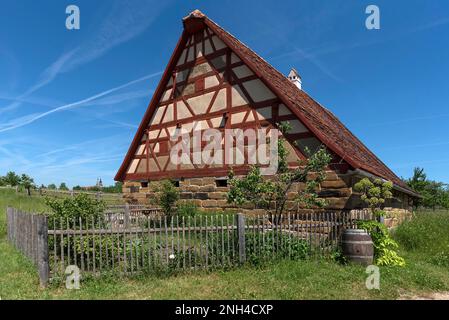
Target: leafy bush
66, 214
166, 196
73, 208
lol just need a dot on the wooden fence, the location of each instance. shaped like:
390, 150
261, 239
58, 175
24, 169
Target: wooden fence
29, 234
151, 241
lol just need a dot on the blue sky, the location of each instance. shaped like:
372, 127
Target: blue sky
71, 101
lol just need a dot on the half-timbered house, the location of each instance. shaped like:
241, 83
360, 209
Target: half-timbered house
213, 80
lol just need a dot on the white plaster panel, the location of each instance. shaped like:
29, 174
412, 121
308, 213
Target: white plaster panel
200, 103
220, 101
238, 98
210, 82
258, 90
242, 71
133, 166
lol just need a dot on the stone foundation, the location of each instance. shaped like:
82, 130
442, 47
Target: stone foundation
209, 196
395, 216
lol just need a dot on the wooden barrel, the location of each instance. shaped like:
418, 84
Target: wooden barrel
358, 246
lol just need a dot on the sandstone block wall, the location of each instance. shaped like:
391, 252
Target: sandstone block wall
206, 194
395, 216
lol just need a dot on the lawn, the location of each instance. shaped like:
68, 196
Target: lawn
427, 271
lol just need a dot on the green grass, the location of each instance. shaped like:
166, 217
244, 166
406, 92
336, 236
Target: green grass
281, 280
426, 236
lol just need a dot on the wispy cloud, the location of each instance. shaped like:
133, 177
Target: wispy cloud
125, 21
121, 97
313, 59
332, 48
282, 32
25, 120
113, 123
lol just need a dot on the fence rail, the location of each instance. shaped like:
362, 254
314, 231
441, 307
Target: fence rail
151, 241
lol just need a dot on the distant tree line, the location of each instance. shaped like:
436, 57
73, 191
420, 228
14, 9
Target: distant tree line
434, 194
27, 183
116, 188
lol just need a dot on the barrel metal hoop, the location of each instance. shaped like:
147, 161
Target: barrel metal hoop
358, 242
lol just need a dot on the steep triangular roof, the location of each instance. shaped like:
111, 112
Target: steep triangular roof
319, 120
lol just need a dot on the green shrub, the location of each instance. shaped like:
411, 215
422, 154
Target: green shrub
73, 208
166, 196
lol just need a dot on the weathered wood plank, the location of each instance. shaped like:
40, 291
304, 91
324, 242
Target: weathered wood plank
241, 237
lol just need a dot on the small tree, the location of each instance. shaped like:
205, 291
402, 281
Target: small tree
374, 194
63, 187
433, 195
51, 186
271, 193
27, 183
12, 179
166, 196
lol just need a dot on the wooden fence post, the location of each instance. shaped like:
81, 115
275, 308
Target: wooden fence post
127, 212
15, 222
9, 217
241, 237
42, 249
